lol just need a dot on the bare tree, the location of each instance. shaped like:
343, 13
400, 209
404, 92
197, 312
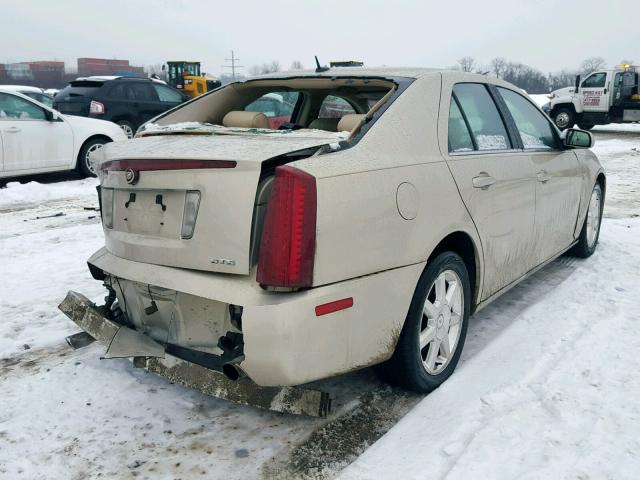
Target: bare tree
499, 66
467, 64
297, 65
274, 66
255, 70
592, 64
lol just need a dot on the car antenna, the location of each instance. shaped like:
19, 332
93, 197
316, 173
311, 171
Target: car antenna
320, 69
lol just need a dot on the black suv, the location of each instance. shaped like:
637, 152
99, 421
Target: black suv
129, 102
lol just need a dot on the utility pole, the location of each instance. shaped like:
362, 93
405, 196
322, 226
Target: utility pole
233, 65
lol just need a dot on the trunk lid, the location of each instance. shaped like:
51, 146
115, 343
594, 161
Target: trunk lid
148, 211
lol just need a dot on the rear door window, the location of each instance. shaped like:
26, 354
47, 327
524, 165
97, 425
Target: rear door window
459, 136
487, 128
535, 130
142, 92
166, 94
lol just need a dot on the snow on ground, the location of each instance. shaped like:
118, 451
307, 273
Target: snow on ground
618, 127
547, 385
548, 382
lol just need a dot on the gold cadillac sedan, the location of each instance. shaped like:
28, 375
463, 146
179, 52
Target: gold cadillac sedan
386, 208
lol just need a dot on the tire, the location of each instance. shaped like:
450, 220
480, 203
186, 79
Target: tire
590, 233
564, 118
84, 166
584, 126
127, 127
409, 365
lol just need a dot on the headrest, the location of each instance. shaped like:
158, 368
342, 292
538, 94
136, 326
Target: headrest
350, 121
241, 119
328, 124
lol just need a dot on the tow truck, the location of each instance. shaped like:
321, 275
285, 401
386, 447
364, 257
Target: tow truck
604, 96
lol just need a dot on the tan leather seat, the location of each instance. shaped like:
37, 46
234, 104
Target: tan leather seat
242, 119
350, 121
328, 124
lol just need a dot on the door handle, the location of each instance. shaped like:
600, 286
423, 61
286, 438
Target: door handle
483, 180
12, 129
543, 176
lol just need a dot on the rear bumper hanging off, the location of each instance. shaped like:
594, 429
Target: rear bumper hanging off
153, 356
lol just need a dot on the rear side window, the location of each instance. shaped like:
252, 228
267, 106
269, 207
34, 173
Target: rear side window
484, 120
459, 136
535, 130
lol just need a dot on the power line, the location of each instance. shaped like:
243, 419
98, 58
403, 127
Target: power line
233, 65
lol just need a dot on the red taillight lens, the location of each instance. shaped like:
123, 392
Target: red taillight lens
288, 243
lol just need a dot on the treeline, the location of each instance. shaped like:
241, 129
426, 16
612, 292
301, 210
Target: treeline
529, 78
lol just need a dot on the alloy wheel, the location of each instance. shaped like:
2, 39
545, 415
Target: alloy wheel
127, 130
442, 317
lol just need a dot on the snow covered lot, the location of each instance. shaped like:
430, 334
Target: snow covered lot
547, 387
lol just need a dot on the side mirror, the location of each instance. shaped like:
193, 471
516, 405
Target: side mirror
575, 138
51, 116
577, 83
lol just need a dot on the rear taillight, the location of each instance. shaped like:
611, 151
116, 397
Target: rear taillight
288, 243
96, 107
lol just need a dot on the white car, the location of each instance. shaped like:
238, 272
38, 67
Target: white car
35, 138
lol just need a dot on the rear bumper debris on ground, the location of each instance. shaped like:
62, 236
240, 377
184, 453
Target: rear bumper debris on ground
150, 355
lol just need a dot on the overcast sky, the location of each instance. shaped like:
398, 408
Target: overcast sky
548, 35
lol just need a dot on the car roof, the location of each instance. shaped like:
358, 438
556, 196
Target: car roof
407, 72
21, 88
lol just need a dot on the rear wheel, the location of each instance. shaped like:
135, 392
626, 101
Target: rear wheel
84, 164
588, 240
564, 118
435, 328
127, 127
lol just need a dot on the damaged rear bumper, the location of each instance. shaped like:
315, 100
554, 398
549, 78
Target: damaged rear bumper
122, 341
285, 341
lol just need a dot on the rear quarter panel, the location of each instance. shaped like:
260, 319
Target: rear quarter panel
360, 228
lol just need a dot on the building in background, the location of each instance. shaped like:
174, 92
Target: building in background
104, 66
53, 74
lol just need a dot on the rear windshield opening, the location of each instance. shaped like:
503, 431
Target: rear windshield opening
288, 104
